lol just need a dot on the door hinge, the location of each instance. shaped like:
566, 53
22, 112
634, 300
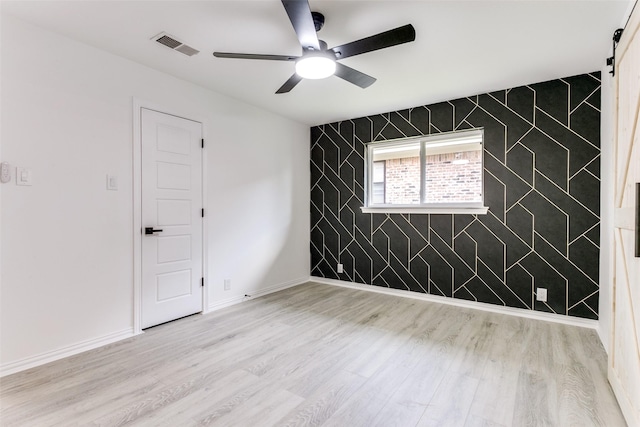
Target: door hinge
202, 282
202, 213
202, 142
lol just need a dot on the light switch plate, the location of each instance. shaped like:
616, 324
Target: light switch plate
23, 176
5, 172
112, 182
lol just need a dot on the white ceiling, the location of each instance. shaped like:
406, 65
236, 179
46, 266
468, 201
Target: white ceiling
461, 48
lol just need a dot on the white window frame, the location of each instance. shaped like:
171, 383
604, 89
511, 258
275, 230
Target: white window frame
445, 138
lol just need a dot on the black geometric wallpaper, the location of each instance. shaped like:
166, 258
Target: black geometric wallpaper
541, 184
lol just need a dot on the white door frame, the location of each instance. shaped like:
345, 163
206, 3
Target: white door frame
138, 104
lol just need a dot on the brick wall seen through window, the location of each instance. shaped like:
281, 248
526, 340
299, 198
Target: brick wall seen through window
448, 176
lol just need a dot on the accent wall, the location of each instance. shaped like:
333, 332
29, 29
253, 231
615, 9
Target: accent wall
541, 184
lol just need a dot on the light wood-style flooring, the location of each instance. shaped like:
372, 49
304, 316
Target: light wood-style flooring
323, 355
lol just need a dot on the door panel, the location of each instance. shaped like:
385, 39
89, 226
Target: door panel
173, 176
171, 204
174, 212
174, 248
173, 285
624, 360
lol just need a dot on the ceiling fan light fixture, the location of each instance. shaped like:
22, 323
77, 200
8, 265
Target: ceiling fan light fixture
316, 66
319, 62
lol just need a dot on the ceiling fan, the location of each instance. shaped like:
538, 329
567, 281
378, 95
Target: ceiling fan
317, 61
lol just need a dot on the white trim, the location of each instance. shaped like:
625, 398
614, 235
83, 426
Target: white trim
205, 222
457, 137
91, 344
137, 215
138, 104
262, 292
225, 303
603, 335
607, 180
529, 314
407, 210
61, 353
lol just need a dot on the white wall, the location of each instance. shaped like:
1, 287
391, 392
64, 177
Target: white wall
67, 242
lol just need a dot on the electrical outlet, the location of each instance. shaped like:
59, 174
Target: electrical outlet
541, 294
227, 284
340, 268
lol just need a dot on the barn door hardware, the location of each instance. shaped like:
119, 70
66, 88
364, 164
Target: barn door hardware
611, 61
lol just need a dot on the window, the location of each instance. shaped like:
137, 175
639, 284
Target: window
377, 182
432, 174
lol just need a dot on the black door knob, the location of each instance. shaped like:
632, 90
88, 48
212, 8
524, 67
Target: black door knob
150, 230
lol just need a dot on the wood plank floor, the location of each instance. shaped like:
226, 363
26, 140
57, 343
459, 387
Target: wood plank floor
323, 355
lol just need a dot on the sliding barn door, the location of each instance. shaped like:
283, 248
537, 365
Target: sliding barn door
624, 365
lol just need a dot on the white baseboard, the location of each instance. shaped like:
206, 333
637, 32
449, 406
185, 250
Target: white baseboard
604, 338
529, 314
264, 291
50, 356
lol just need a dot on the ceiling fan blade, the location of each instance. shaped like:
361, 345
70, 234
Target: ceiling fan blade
254, 56
300, 16
290, 84
354, 76
383, 40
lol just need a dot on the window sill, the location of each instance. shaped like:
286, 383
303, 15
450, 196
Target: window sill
423, 210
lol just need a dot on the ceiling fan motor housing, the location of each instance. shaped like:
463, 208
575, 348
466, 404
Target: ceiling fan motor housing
318, 20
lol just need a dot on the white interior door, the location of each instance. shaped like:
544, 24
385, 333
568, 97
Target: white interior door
624, 360
171, 217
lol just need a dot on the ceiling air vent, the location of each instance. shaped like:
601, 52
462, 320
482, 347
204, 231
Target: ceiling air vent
171, 42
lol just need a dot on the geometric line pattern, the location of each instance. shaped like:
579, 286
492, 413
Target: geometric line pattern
541, 184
